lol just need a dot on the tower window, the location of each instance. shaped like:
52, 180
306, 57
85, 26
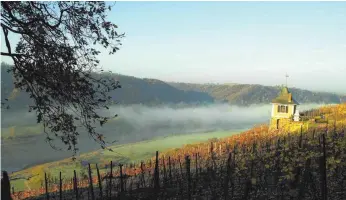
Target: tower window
282, 109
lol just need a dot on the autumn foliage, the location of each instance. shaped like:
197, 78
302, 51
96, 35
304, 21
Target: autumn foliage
257, 163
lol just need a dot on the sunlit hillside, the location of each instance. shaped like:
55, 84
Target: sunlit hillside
294, 161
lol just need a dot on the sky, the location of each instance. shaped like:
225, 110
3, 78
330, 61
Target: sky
232, 42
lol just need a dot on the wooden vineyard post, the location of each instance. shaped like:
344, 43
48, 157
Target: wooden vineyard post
227, 178
156, 177
196, 165
99, 180
228, 148
156, 173
88, 192
91, 184
181, 168
289, 139
75, 186
196, 174
323, 169
138, 183
212, 155
60, 186
253, 180
306, 180
301, 136
46, 185
121, 178
211, 148
131, 184
150, 181
143, 175
170, 169
277, 172
248, 183
187, 162
164, 171
220, 149
110, 181
199, 166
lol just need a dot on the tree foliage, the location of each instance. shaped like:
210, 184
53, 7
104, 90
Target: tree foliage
54, 61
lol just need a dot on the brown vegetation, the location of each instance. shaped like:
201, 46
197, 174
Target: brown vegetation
255, 164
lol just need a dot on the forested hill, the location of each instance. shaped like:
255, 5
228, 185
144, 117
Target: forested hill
134, 91
245, 94
154, 92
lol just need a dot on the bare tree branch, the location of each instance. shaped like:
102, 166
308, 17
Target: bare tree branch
54, 62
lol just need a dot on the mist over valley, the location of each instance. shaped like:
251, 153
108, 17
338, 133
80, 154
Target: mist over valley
146, 108
134, 123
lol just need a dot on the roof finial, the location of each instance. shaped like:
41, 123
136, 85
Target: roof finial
286, 79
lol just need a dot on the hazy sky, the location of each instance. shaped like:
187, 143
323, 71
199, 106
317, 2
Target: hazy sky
241, 42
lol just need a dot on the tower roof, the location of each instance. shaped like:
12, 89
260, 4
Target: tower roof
285, 97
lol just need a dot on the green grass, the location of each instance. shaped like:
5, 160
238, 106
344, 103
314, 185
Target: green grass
146, 149
133, 152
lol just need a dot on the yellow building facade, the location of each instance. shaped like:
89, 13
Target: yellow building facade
284, 107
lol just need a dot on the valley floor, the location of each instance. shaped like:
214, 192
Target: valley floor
126, 153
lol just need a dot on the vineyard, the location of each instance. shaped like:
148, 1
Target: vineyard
256, 164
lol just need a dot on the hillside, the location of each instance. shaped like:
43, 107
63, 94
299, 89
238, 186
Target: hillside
155, 92
134, 91
246, 94
308, 163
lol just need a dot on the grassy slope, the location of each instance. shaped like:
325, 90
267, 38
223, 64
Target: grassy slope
133, 152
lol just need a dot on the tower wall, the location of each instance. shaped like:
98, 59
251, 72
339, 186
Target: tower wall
276, 114
285, 124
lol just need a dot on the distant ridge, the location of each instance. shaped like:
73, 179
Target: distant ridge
153, 92
246, 94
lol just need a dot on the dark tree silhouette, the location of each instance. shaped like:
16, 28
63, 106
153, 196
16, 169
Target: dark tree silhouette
5, 186
55, 61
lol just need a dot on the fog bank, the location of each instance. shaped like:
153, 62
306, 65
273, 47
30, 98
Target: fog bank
135, 123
